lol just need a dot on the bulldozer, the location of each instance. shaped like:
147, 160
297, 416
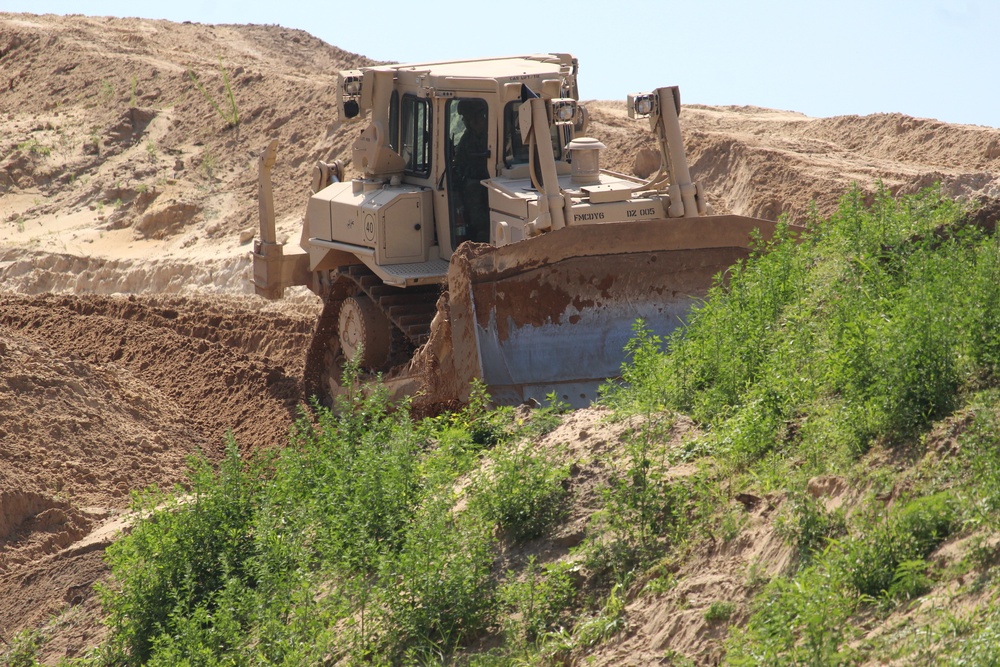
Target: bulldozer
482, 240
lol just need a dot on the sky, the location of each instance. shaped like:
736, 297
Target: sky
925, 58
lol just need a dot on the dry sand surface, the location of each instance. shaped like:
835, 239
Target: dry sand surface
129, 338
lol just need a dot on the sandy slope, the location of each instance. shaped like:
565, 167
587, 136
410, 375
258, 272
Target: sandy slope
117, 175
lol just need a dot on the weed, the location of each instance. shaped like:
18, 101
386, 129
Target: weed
756, 575
597, 629
808, 526
642, 505
676, 659
208, 165
536, 601
731, 524
719, 612
522, 492
151, 150
22, 650
660, 585
229, 112
910, 581
33, 147
796, 622
177, 568
443, 593
107, 92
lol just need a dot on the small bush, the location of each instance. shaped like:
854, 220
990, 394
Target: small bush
719, 612
535, 602
522, 491
873, 558
809, 526
796, 622
180, 558
440, 593
22, 651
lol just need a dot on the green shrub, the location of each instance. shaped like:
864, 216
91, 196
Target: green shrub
800, 621
522, 491
719, 612
980, 455
873, 559
644, 510
182, 555
803, 619
866, 329
22, 651
363, 463
535, 603
809, 526
438, 590
285, 558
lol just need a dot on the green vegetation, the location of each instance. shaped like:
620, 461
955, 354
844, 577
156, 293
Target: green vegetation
107, 92
34, 147
23, 649
228, 110
866, 350
862, 334
348, 543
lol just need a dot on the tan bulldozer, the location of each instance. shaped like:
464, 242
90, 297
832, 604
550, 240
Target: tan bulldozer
482, 240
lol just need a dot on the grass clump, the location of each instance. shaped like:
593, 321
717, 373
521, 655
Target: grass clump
228, 110
522, 491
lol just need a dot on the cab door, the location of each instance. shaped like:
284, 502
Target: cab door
468, 158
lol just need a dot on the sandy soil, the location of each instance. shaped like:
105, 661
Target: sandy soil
129, 338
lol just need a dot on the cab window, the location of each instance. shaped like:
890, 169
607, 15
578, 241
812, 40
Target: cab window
415, 135
515, 151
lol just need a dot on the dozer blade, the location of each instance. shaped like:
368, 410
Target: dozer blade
554, 313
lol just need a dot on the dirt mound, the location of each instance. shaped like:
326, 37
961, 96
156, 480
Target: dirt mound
764, 163
129, 126
245, 389
100, 396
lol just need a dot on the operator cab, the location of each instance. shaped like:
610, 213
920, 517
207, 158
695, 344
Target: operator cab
449, 127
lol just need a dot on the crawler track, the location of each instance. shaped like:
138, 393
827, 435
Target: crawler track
410, 310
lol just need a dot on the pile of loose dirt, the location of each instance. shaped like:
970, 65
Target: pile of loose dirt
128, 340
100, 396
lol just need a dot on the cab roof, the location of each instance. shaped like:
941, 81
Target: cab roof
507, 69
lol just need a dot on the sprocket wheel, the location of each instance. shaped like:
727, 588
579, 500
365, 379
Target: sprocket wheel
364, 332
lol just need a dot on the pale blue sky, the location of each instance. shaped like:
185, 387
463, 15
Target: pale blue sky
926, 58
